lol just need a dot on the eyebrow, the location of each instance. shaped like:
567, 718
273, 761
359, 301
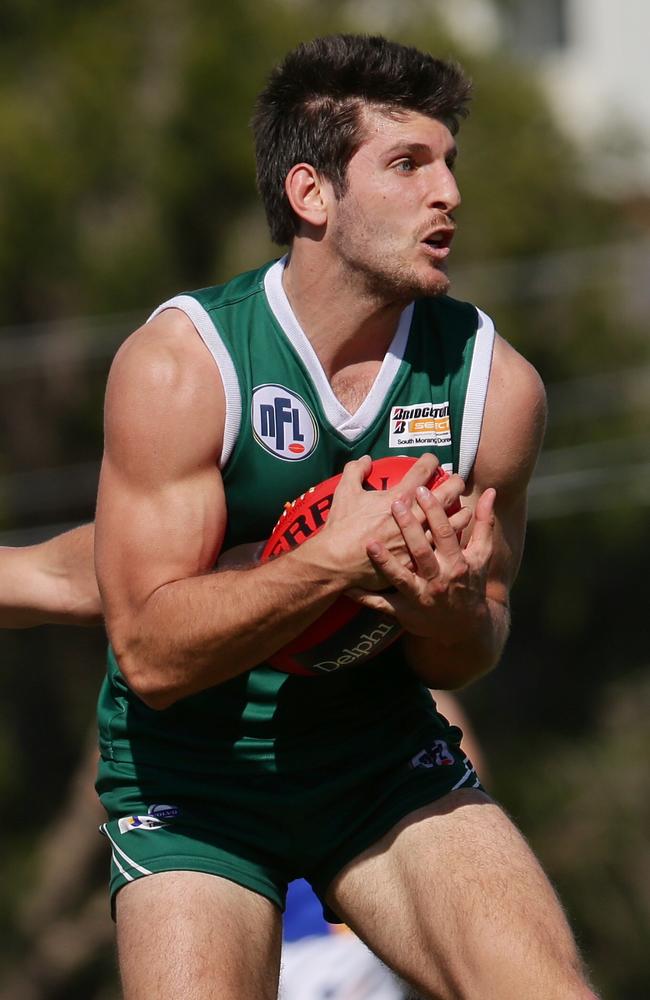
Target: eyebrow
419, 147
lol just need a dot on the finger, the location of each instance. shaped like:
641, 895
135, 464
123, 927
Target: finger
355, 472
416, 540
484, 511
419, 474
450, 490
375, 602
460, 520
398, 575
484, 521
443, 532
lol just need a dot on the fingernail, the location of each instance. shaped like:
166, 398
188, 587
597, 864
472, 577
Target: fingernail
374, 549
422, 492
399, 506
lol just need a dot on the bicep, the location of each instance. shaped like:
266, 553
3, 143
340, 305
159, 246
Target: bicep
161, 511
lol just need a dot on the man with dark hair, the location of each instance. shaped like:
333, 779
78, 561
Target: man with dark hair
223, 778
312, 110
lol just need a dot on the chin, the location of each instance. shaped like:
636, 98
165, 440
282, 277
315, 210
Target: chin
435, 283
405, 284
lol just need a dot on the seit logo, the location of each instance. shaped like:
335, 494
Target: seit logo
421, 424
283, 424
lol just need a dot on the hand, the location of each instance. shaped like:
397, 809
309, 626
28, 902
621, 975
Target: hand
443, 592
359, 517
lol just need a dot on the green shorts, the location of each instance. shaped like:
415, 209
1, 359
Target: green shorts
264, 830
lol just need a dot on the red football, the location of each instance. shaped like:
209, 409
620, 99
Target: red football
347, 634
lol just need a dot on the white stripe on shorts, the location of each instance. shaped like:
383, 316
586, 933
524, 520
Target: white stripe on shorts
121, 870
130, 862
469, 771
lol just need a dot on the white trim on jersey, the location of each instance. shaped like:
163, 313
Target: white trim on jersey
207, 330
350, 425
479, 376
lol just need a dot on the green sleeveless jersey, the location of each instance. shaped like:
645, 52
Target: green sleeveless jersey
285, 430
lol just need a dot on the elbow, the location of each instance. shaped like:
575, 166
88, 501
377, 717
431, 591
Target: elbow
154, 696
141, 673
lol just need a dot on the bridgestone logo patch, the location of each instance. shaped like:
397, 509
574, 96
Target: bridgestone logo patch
420, 424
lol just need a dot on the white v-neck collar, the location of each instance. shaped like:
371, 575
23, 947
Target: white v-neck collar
349, 425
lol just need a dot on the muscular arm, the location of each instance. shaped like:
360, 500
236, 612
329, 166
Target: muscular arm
455, 608
177, 628
53, 582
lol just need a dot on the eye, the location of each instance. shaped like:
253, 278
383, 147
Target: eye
451, 164
405, 166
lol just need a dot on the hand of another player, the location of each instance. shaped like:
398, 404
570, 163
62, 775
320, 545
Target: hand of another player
359, 516
444, 589
244, 556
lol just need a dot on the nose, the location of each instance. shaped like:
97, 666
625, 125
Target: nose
444, 194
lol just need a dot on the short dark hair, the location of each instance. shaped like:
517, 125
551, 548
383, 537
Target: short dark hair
311, 109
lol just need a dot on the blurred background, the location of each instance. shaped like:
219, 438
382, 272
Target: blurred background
126, 174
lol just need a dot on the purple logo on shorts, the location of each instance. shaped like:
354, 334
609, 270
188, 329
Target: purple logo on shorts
163, 811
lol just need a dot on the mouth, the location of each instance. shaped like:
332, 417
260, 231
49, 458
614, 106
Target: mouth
438, 242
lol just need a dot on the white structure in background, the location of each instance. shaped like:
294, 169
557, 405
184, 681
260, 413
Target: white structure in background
593, 59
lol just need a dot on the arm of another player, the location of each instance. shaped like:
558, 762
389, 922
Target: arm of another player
52, 582
176, 627
455, 604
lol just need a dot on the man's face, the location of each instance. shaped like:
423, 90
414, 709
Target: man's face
394, 225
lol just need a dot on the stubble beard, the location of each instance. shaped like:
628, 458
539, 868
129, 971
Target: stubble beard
382, 274
388, 280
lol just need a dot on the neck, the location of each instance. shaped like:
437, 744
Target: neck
345, 323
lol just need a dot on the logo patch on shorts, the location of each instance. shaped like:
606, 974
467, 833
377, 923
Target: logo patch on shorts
156, 818
282, 422
437, 755
163, 811
420, 424
128, 823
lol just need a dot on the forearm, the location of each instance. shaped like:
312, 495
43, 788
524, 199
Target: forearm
177, 629
461, 655
52, 582
196, 633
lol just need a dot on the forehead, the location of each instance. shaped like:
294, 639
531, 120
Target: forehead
385, 130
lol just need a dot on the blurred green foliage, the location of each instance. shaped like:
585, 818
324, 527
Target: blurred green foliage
126, 174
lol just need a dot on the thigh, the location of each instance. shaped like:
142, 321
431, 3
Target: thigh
196, 936
455, 902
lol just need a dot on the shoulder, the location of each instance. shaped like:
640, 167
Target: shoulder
514, 421
515, 385
165, 354
164, 385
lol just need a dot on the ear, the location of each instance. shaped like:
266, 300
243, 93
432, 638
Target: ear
308, 194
